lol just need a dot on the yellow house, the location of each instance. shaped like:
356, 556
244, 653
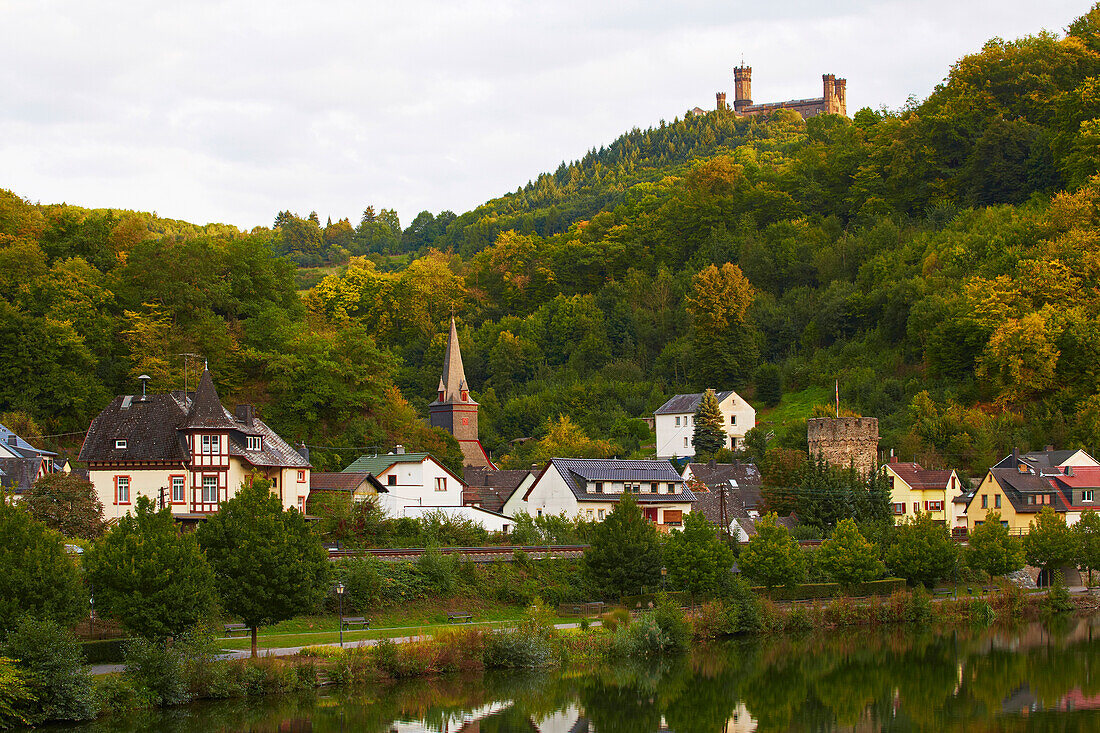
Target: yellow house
914, 489
1019, 486
185, 451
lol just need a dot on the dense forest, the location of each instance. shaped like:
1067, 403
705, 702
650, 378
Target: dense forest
942, 261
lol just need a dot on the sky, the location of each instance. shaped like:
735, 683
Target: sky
232, 111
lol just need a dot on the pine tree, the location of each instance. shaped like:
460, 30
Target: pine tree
625, 554
710, 431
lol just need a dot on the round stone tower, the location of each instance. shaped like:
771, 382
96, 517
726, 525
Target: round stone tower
842, 441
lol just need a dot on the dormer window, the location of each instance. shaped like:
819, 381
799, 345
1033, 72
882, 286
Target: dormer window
255, 442
120, 444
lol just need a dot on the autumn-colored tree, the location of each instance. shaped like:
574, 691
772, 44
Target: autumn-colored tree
1020, 358
65, 503
724, 340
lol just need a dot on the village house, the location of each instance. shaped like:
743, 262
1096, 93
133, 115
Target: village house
914, 490
352, 487
736, 485
21, 464
674, 422
590, 488
187, 452
1020, 486
417, 484
497, 490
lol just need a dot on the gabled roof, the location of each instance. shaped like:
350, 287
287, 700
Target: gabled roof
1084, 477
1044, 459
344, 482
921, 479
683, 403
378, 464
742, 494
20, 445
577, 472
1018, 486
491, 489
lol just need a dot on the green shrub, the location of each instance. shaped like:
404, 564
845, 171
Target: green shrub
103, 651
1056, 601
918, 609
810, 591
670, 619
157, 669
798, 619
362, 578
49, 656
438, 570
644, 637
615, 618
515, 649
16, 699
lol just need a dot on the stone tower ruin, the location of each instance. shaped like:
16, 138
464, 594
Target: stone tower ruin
842, 441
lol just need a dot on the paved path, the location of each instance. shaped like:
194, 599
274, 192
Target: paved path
287, 651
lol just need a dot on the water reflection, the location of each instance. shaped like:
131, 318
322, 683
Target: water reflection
1031, 678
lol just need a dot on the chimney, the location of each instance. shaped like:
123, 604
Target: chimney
303, 451
244, 414
1069, 471
399, 450
1048, 448
1016, 454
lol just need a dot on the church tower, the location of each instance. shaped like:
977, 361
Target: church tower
454, 410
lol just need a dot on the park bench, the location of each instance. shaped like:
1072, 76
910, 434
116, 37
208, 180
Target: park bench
572, 609
595, 608
360, 621
231, 629
453, 616
942, 592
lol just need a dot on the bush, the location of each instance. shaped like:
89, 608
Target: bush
1057, 599
644, 637
104, 651
158, 670
362, 578
810, 591
670, 619
49, 656
918, 609
798, 619
16, 698
37, 576
615, 618
515, 649
438, 571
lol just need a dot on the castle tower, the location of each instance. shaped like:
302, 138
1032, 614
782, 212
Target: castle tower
841, 87
721, 101
843, 441
742, 88
828, 82
454, 410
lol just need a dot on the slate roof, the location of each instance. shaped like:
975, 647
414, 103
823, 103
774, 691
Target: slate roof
342, 481
453, 382
1041, 459
490, 489
684, 403
153, 428
1018, 486
746, 475
378, 464
921, 479
578, 471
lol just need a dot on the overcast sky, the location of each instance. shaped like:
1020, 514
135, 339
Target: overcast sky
231, 111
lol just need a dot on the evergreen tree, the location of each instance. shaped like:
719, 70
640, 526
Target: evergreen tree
624, 554
149, 575
268, 565
710, 430
847, 557
696, 558
772, 556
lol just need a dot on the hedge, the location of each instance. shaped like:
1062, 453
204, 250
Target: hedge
649, 600
104, 651
810, 591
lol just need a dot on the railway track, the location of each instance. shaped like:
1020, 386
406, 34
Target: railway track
476, 554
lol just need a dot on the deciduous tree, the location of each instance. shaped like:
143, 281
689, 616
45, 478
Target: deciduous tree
847, 557
67, 504
1087, 532
992, 550
772, 557
149, 575
268, 565
696, 558
922, 552
37, 576
1050, 544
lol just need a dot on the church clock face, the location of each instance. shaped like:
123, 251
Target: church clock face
465, 421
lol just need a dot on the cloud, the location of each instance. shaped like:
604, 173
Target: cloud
230, 111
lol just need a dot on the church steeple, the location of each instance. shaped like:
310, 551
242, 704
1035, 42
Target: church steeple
454, 410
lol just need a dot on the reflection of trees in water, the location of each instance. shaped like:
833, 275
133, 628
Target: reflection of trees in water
891, 678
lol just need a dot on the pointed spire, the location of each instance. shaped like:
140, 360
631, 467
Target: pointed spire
453, 373
206, 408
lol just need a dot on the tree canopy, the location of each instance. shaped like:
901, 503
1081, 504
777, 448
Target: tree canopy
624, 554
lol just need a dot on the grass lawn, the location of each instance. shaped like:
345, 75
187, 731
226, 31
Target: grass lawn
390, 622
795, 406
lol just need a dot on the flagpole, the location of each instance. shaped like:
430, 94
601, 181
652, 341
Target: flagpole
838, 398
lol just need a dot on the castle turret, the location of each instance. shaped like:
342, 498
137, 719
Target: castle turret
742, 88
844, 441
841, 87
721, 101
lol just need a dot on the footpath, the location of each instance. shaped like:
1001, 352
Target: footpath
289, 651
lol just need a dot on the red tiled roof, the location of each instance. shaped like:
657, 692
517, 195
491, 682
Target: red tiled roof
1084, 477
336, 481
921, 478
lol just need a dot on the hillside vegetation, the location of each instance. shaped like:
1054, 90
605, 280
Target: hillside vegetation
941, 261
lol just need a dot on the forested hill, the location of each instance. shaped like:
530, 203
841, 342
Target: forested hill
941, 261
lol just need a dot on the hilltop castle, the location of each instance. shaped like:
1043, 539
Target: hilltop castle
833, 102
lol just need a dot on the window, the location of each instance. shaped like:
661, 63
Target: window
211, 445
179, 484
685, 442
599, 487
210, 489
274, 482
1030, 499
391, 481
632, 488
120, 444
1004, 523
899, 508
677, 421
589, 515
673, 517
733, 419
916, 507
935, 506
1086, 495
301, 477
997, 501
302, 504
538, 512
253, 442
440, 483
890, 482
985, 501
122, 489
600, 514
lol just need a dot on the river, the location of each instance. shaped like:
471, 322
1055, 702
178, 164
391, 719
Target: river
1031, 678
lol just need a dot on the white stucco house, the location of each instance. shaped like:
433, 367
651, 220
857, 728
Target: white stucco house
674, 422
